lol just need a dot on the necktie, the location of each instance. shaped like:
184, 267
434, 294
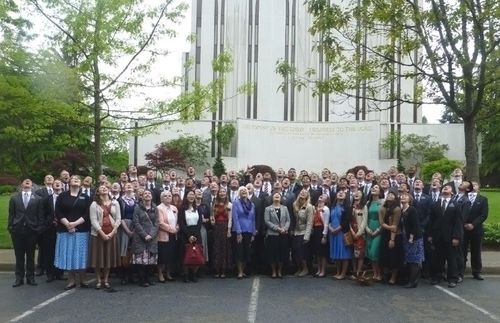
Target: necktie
418, 197
151, 186
26, 199
472, 198
266, 188
50, 191
411, 182
86, 192
443, 205
54, 199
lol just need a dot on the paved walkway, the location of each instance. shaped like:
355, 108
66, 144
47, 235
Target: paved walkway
491, 261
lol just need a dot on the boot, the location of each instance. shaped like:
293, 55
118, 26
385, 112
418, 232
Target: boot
414, 270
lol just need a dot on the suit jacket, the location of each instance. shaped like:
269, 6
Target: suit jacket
423, 208
42, 192
260, 226
446, 225
21, 217
272, 221
476, 213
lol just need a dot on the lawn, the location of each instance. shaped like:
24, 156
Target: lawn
493, 217
4, 234
494, 205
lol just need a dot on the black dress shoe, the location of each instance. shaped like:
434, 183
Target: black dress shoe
39, 272
18, 283
31, 282
71, 286
460, 279
435, 282
478, 277
410, 285
452, 285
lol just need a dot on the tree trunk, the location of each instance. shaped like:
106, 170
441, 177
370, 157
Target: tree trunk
471, 150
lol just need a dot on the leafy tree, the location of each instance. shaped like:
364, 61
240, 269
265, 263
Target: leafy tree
415, 149
164, 158
193, 149
40, 117
111, 44
450, 45
444, 166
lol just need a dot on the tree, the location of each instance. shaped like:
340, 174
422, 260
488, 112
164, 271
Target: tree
164, 158
111, 44
414, 149
40, 118
192, 149
450, 45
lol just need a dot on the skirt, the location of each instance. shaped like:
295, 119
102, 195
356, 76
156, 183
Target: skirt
124, 238
277, 249
145, 258
204, 241
242, 251
300, 249
338, 249
221, 245
391, 258
104, 254
319, 249
414, 252
72, 250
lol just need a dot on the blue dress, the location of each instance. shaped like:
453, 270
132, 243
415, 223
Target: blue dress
338, 250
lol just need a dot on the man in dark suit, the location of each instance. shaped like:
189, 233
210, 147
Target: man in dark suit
49, 234
259, 251
25, 214
44, 192
475, 213
423, 204
313, 193
153, 186
87, 188
457, 180
446, 235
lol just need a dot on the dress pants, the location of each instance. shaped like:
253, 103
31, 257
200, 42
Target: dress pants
24, 242
474, 239
445, 252
47, 243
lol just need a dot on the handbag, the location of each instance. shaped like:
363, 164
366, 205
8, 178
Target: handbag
348, 240
193, 255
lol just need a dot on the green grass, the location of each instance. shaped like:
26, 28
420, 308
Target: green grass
494, 206
5, 241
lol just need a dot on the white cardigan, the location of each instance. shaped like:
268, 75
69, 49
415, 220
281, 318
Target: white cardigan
96, 216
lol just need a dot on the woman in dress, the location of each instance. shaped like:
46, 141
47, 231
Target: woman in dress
222, 221
338, 225
303, 213
391, 252
320, 234
204, 211
413, 242
72, 244
277, 220
357, 226
373, 229
243, 229
145, 239
167, 236
105, 218
190, 232
126, 231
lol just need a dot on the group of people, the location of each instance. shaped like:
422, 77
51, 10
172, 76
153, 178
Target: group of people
392, 225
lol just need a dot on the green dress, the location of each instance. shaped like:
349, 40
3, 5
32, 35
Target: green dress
373, 243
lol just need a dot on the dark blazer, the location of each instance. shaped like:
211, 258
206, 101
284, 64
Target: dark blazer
411, 223
423, 208
260, 226
42, 192
447, 225
476, 213
19, 216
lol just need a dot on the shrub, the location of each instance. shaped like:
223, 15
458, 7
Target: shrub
7, 189
492, 233
445, 166
219, 167
9, 180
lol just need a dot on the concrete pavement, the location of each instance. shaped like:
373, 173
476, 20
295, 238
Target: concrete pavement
491, 261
